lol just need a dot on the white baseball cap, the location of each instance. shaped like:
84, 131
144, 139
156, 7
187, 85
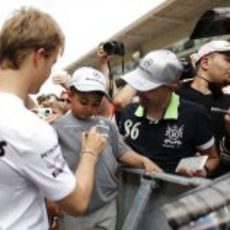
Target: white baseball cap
210, 47
88, 79
157, 68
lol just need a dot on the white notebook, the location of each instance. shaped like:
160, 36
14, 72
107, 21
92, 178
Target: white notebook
193, 163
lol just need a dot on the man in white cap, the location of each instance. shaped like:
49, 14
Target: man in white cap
88, 86
161, 126
212, 63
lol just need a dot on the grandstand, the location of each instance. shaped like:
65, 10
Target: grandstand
168, 25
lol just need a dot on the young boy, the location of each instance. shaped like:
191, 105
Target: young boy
87, 89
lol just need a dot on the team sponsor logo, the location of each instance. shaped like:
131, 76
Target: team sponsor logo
54, 160
174, 135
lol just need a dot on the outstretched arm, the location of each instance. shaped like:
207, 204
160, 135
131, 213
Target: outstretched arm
134, 159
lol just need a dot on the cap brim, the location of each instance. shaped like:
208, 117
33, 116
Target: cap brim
217, 50
225, 51
88, 89
138, 81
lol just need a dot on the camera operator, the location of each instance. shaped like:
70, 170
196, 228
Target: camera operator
212, 63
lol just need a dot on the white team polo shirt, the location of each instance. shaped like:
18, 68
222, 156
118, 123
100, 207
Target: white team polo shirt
31, 167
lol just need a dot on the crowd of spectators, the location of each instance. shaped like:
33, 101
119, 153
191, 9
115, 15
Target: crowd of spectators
72, 156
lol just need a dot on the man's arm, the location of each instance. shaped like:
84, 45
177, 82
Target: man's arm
134, 159
225, 142
103, 60
204, 142
121, 98
213, 160
77, 201
124, 97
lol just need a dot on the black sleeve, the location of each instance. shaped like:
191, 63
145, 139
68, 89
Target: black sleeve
204, 130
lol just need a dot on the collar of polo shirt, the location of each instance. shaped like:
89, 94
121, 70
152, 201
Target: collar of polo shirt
171, 111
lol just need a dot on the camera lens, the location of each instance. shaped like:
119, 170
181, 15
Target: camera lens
114, 47
108, 48
47, 112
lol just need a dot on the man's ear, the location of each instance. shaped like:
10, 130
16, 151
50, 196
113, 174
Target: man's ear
38, 54
204, 62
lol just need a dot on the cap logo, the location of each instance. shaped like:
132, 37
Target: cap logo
148, 62
96, 77
146, 66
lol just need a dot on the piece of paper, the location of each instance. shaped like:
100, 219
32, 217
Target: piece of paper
193, 163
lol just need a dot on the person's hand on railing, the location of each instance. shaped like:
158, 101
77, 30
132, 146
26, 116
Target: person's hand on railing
150, 166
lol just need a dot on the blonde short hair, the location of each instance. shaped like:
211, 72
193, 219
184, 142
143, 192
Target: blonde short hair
28, 29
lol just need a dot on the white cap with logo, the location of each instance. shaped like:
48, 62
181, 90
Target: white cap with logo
88, 79
157, 68
211, 47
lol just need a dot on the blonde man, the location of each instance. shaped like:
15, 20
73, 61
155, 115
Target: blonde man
31, 164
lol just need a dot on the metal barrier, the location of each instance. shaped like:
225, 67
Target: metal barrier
210, 207
141, 197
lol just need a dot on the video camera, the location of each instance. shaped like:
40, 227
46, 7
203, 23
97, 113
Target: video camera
114, 48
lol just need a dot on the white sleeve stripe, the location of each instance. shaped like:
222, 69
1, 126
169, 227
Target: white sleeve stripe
207, 145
